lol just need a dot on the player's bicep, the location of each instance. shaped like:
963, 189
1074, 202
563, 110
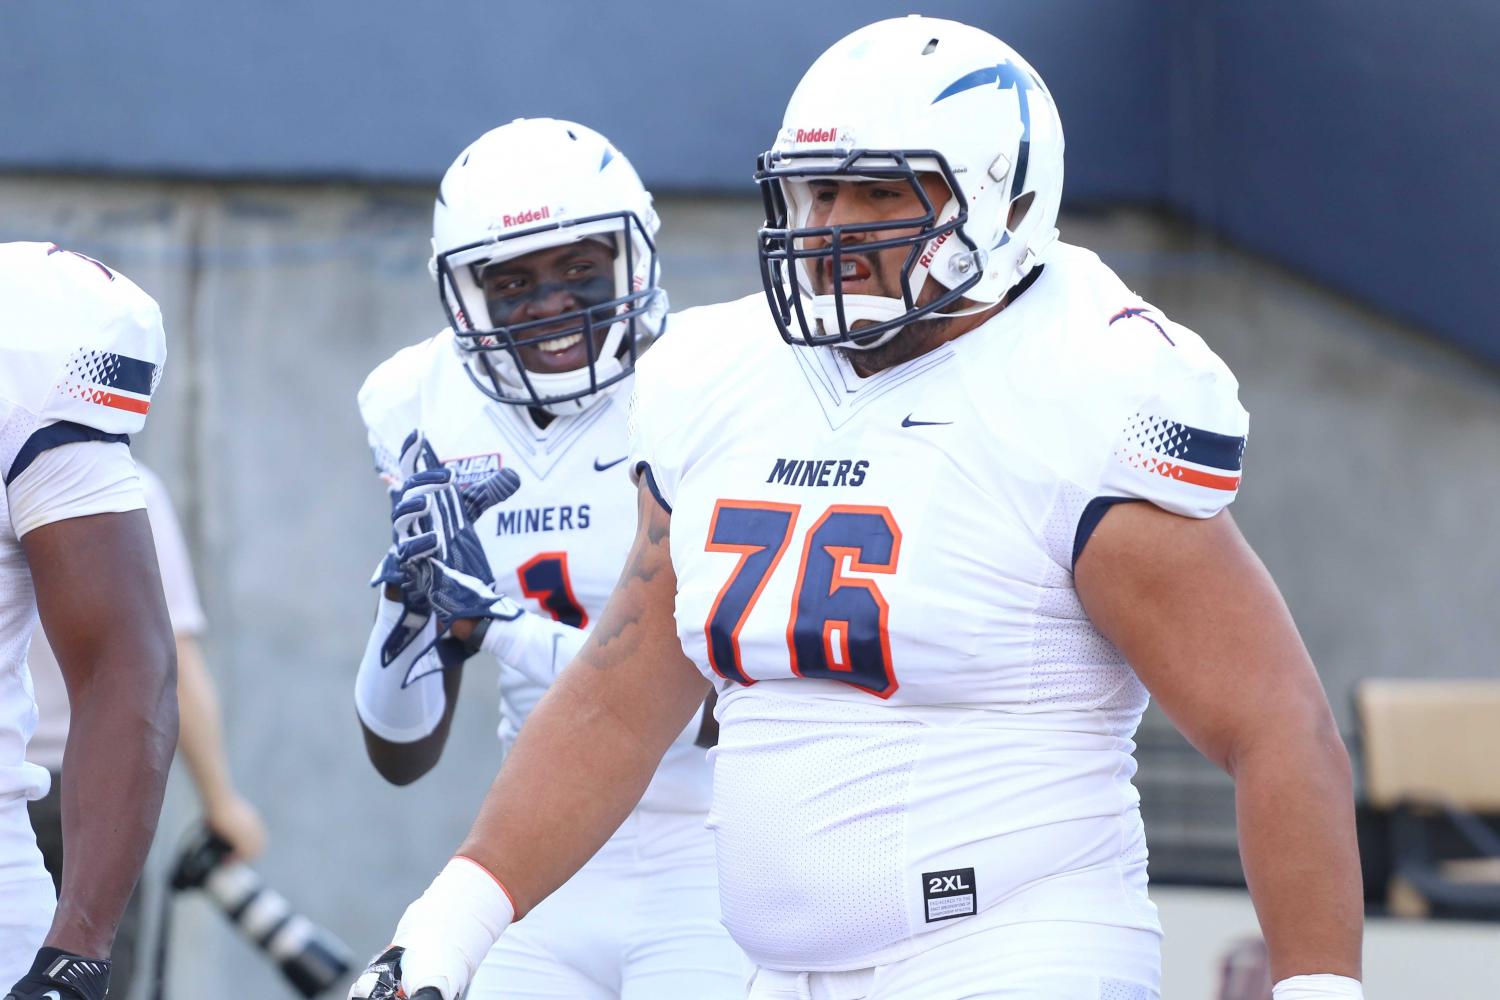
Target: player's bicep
98, 590
1199, 619
79, 512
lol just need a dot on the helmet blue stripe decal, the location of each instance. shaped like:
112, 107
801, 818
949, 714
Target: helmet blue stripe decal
1003, 75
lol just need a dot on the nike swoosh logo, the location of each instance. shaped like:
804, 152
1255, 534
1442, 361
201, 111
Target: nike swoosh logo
52, 995
909, 422
601, 466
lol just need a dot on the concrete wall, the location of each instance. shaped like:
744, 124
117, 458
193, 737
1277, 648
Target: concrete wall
1371, 473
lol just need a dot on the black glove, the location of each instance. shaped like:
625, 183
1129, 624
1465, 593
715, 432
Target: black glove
62, 975
382, 981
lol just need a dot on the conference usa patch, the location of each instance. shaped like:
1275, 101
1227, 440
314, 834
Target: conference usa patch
948, 894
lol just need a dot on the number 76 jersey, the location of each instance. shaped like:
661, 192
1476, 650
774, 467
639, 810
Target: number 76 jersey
922, 734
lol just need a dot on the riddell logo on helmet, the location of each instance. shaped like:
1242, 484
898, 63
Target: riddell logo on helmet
530, 215
815, 135
933, 248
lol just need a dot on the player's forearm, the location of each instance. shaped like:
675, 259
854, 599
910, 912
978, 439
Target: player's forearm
1295, 808
120, 743
580, 764
587, 752
201, 736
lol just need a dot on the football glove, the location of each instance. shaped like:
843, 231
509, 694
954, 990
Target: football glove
382, 981
59, 974
438, 547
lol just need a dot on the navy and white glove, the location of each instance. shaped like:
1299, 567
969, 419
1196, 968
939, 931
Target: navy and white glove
59, 975
437, 546
382, 981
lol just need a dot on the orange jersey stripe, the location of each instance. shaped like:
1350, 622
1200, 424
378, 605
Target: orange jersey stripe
121, 402
1198, 478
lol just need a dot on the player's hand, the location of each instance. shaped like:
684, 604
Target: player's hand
238, 823
382, 981
62, 975
438, 546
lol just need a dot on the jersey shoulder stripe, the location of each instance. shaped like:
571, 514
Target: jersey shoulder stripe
80, 345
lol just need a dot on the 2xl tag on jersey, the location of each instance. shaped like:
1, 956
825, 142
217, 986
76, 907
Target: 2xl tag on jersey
948, 894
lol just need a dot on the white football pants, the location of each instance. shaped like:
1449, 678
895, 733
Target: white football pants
1046, 960
26, 895
640, 921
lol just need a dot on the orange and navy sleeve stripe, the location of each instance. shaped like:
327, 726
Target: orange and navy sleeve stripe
114, 380
1182, 452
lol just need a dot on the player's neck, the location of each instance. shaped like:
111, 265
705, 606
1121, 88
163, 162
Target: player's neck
930, 334
916, 340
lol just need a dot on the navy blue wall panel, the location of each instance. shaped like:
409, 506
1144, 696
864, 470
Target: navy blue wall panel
1359, 142
692, 91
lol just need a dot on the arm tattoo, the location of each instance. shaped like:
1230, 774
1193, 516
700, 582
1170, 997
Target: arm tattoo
631, 600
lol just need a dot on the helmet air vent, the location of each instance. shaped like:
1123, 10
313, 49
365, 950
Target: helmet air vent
931, 47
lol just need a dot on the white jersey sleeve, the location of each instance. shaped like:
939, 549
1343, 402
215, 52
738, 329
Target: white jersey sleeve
74, 480
1181, 445
390, 403
81, 351
1141, 410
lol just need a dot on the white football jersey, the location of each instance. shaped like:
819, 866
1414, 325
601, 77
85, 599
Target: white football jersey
81, 349
557, 546
922, 734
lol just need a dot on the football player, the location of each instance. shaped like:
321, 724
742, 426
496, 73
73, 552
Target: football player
543, 254
81, 349
932, 529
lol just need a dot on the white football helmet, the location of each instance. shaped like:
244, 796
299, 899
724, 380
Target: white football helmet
530, 185
892, 100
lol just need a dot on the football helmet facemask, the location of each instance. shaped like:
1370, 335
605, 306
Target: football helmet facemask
890, 102
533, 185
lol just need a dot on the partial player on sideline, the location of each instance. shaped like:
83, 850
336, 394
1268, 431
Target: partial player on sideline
543, 253
81, 349
933, 529
200, 737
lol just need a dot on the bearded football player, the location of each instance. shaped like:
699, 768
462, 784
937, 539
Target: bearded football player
933, 527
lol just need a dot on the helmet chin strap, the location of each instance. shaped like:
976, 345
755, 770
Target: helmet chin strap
883, 309
858, 308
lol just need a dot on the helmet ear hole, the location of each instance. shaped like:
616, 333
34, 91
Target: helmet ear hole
1018, 210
